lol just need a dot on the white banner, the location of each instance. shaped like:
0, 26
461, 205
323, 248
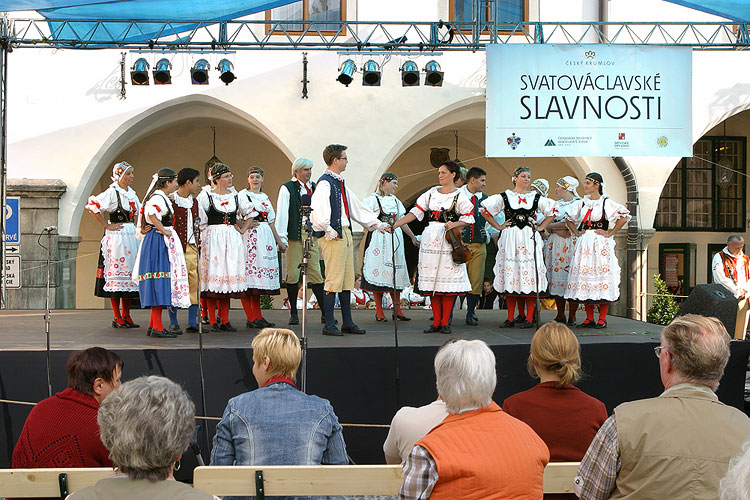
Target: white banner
588, 100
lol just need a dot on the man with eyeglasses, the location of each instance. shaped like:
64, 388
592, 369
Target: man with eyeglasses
731, 269
334, 206
679, 444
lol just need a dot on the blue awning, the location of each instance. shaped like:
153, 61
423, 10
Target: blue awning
736, 10
129, 10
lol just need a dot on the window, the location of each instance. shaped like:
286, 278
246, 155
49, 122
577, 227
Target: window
308, 10
677, 267
703, 196
507, 13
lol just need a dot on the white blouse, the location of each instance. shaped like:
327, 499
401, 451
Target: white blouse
495, 204
107, 201
260, 203
592, 210
158, 205
433, 199
224, 203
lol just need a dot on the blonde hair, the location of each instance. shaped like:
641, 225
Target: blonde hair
555, 348
282, 348
698, 347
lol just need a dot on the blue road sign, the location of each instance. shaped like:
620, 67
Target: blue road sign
12, 221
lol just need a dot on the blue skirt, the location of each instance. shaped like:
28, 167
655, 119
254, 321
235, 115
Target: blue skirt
155, 278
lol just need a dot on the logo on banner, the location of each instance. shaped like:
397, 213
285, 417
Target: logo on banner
590, 54
550, 142
662, 141
621, 136
514, 141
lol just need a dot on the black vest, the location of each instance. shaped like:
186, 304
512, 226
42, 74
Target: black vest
602, 223
216, 217
120, 215
475, 233
520, 217
294, 220
444, 214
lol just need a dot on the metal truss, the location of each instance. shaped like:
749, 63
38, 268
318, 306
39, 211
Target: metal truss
358, 36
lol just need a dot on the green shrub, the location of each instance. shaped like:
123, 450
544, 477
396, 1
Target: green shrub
266, 302
664, 308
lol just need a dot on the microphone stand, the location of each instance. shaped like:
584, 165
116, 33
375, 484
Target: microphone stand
307, 245
47, 312
196, 236
534, 232
391, 222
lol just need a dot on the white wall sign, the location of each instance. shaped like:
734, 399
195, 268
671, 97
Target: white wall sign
13, 271
588, 100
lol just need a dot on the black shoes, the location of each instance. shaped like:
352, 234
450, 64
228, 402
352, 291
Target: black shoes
381, 320
402, 318
117, 324
472, 322
446, 330
560, 320
129, 321
601, 324
433, 329
525, 324
353, 329
215, 327
293, 320
227, 327
204, 320
175, 329
259, 323
191, 329
571, 322
587, 324
160, 334
334, 332
507, 324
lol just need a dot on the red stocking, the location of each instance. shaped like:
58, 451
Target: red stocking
603, 308
436, 303
447, 308
572, 308
510, 302
115, 302
204, 308
397, 302
589, 312
255, 302
211, 306
224, 310
521, 305
530, 306
560, 305
378, 296
155, 321
247, 306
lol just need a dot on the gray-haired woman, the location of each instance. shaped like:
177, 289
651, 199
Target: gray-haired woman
145, 424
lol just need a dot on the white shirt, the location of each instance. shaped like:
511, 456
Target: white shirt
321, 209
158, 205
717, 267
107, 200
260, 203
223, 203
186, 203
495, 204
282, 207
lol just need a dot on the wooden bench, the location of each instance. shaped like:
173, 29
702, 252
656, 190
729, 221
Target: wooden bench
297, 480
30, 483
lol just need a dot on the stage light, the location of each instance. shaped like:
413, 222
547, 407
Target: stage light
225, 68
433, 75
199, 72
410, 74
347, 70
161, 72
371, 74
139, 72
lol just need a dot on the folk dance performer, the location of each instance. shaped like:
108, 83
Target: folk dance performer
222, 252
160, 265
516, 267
119, 247
731, 268
333, 209
185, 207
439, 277
559, 249
475, 236
594, 277
377, 269
261, 241
292, 233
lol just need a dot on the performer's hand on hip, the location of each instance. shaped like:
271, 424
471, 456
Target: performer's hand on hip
282, 248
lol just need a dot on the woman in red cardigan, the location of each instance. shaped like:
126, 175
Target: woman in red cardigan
565, 417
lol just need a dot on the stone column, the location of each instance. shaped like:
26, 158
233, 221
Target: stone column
39, 206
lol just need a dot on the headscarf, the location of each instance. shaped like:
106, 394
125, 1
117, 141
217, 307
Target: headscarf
119, 169
597, 177
386, 177
569, 183
541, 185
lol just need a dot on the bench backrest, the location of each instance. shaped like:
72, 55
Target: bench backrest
31, 483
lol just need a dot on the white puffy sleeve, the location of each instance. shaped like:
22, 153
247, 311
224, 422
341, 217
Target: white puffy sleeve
246, 208
371, 202
465, 208
269, 208
360, 212
401, 210
156, 206
575, 211
104, 202
321, 206
720, 276
420, 207
546, 206
614, 211
493, 204
282, 221
203, 207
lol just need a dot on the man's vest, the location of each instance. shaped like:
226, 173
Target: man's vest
486, 454
181, 221
729, 266
677, 445
294, 221
335, 201
475, 233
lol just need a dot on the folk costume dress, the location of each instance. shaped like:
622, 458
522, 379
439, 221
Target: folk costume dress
160, 269
377, 270
515, 267
558, 253
223, 262
262, 258
594, 272
114, 272
436, 270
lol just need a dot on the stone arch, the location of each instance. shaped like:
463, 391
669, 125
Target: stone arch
153, 119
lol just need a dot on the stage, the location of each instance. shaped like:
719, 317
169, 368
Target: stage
355, 372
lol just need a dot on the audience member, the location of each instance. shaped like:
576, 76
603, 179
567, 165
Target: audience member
146, 425
736, 484
277, 424
478, 451
409, 424
565, 417
61, 431
678, 444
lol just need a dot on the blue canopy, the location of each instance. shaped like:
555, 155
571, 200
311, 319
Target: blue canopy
129, 10
736, 10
